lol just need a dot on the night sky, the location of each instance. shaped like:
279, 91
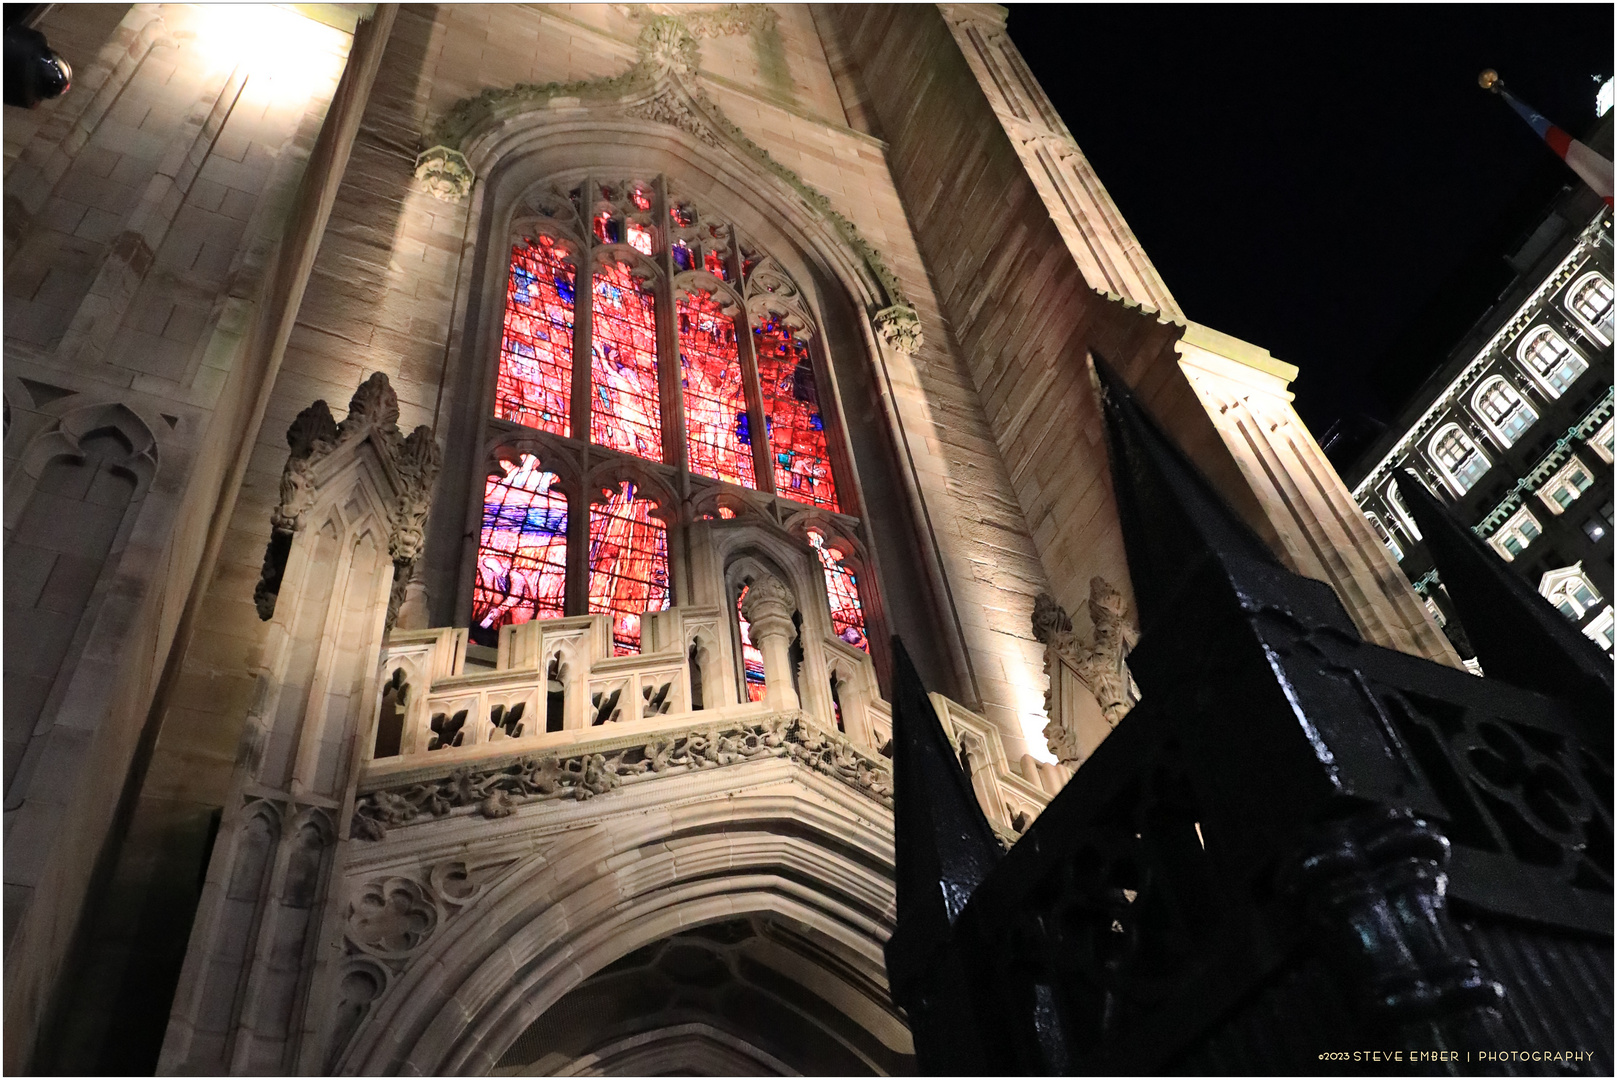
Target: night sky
1327, 182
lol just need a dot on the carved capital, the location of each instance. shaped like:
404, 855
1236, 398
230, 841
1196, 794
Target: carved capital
445, 174
768, 607
1100, 667
899, 328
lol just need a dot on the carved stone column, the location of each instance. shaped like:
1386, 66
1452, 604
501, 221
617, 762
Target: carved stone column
768, 607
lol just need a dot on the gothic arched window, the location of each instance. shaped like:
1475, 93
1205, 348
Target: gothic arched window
742, 406
1505, 412
1551, 359
1461, 460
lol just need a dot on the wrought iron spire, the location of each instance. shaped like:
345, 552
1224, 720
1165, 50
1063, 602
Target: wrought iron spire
1519, 635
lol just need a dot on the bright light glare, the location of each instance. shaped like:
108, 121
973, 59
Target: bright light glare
270, 41
1603, 99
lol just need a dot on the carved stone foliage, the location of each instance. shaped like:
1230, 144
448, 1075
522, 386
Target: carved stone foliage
412, 461
497, 789
444, 173
1099, 665
660, 86
899, 328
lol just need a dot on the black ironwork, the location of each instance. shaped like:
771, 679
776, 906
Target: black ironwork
1297, 845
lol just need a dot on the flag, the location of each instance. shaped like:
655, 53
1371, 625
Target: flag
1594, 169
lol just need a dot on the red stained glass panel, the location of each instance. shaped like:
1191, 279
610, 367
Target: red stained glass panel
752, 657
628, 560
536, 351
842, 589
625, 412
717, 437
522, 553
797, 442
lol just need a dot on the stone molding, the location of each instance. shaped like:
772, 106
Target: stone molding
497, 788
661, 86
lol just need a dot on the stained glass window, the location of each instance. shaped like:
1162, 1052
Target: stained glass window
717, 440
522, 553
536, 352
797, 442
625, 413
682, 255
842, 589
752, 657
628, 560
640, 238
713, 263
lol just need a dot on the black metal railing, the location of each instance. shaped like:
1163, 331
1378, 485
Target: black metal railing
1297, 848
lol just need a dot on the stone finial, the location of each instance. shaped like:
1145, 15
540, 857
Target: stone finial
1099, 665
445, 174
417, 460
768, 607
899, 327
374, 404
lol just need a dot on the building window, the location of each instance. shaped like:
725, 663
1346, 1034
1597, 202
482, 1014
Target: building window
522, 553
1395, 499
1601, 442
1505, 412
1560, 490
1547, 355
628, 565
718, 433
744, 406
1512, 538
1435, 611
1591, 300
534, 384
1460, 459
1386, 537
842, 588
1570, 590
625, 411
792, 417
1601, 629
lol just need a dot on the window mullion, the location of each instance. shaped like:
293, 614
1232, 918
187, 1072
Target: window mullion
763, 466
669, 372
578, 514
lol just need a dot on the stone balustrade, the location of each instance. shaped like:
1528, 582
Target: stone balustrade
550, 703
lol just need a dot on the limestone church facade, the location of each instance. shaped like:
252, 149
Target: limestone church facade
464, 466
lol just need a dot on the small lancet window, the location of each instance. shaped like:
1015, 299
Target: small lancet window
628, 561
718, 431
752, 657
534, 384
842, 590
522, 552
625, 413
792, 416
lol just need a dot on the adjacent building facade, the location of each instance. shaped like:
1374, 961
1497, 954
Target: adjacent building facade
464, 467
1515, 432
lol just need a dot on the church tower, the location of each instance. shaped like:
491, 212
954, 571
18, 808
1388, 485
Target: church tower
465, 466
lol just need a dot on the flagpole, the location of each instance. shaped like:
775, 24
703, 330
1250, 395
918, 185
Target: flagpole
1593, 169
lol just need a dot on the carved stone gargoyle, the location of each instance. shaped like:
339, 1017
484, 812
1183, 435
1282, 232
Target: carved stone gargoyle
1090, 687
